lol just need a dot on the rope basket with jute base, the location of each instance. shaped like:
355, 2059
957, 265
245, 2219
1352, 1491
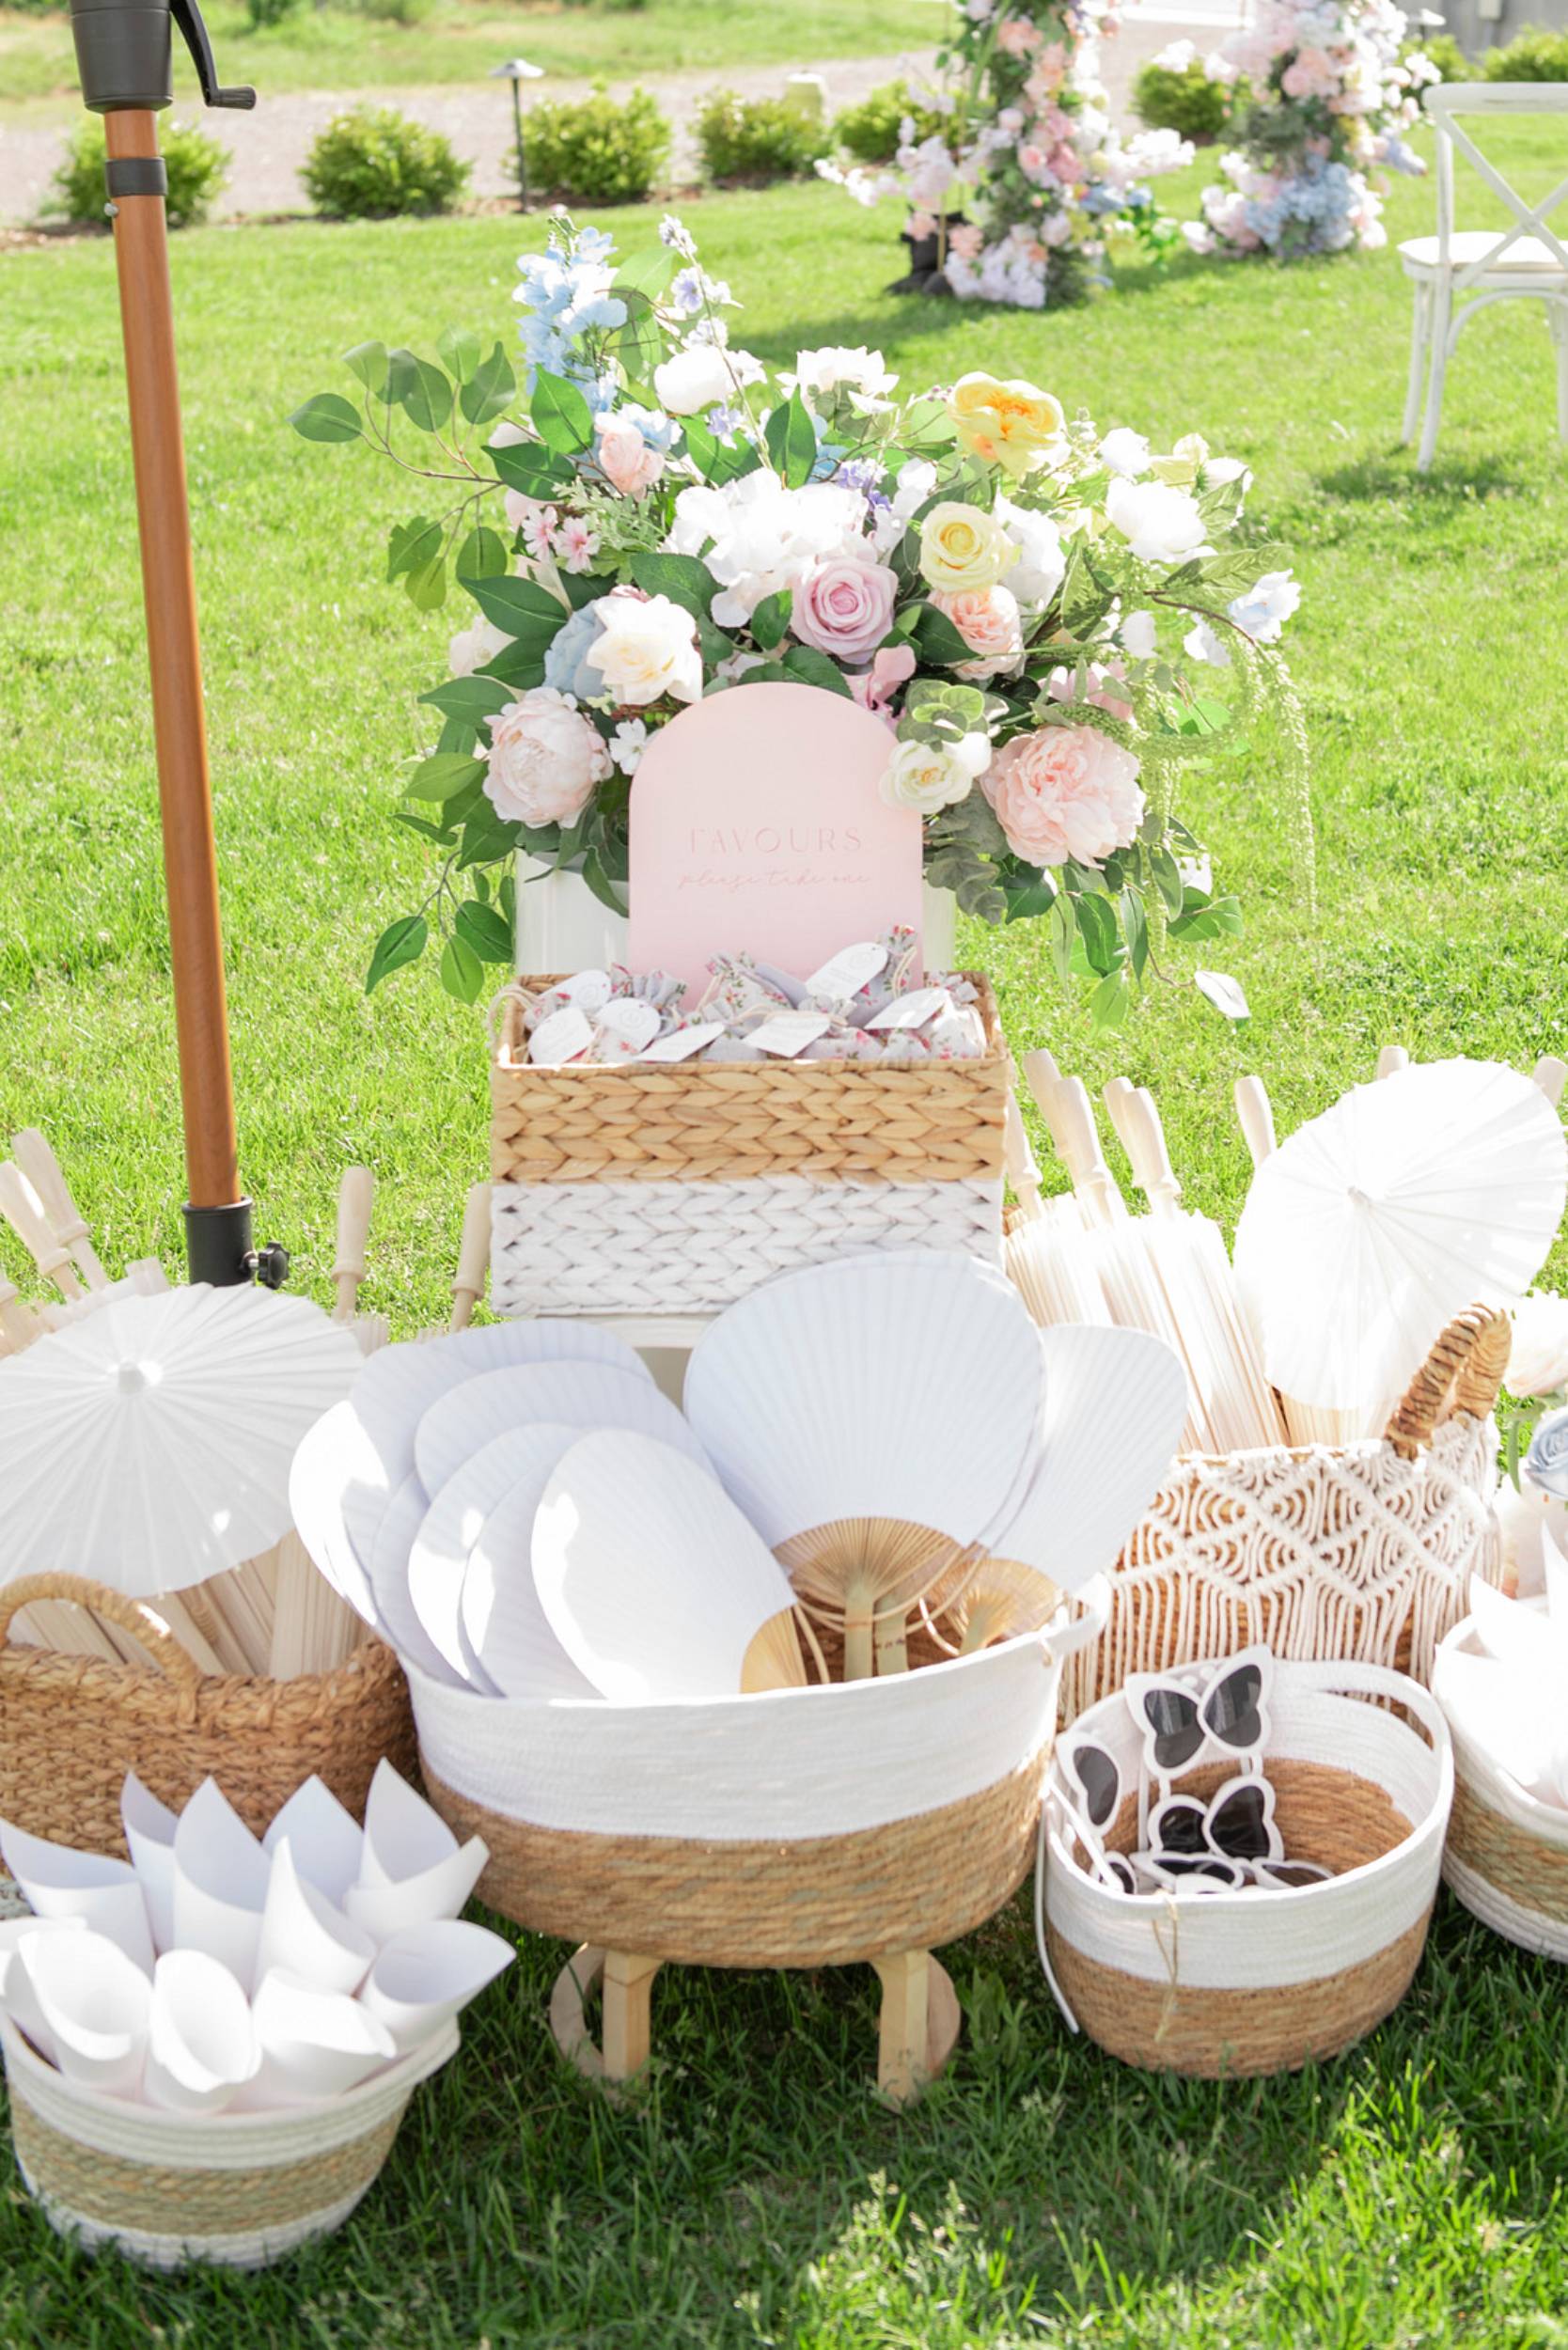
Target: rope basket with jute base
1244, 1982
1360, 1551
70, 1726
240, 2189
862, 1821
676, 1187
1507, 1855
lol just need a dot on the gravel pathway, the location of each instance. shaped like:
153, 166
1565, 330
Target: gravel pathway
270, 145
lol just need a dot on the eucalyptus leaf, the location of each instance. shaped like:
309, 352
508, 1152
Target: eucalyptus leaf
461, 971
400, 943
461, 352
490, 390
482, 928
327, 416
561, 416
443, 775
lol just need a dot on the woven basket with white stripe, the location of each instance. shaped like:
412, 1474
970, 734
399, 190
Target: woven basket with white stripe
1507, 1856
633, 1187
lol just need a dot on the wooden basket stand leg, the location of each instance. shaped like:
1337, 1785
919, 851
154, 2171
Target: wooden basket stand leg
918, 2026
626, 1982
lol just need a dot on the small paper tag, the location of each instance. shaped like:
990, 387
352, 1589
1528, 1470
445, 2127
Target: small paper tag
843, 975
630, 1021
589, 990
562, 1038
913, 1009
789, 1032
682, 1042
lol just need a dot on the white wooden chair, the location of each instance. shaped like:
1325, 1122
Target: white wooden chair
1488, 265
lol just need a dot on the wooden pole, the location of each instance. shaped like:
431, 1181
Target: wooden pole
174, 653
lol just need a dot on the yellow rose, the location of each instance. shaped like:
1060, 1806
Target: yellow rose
962, 549
1010, 425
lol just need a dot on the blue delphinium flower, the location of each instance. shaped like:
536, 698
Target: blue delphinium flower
566, 666
657, 430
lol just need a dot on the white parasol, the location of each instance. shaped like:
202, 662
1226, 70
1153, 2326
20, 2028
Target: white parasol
150, 1444
1373, 1226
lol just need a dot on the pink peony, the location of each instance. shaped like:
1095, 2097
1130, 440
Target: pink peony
844, 607
1067, 791
1310, 74
1018, 37
968, 241
545, 759
987, 619
626, 460
875, 689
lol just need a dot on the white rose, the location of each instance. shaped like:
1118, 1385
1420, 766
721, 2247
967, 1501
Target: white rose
1136, 632
1538, 1362
764, 537
692, 379
835, 367
929, 776
1159, 523
1042, 565
471, 648
648, 650
1125, 452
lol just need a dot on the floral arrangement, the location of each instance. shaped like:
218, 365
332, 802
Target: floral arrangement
1332, 98
1011, 201
1044, 618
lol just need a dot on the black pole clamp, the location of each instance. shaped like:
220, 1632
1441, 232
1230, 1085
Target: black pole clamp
219, 1248
135, 175
124, 58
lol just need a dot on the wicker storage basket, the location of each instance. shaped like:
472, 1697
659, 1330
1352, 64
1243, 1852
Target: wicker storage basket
1362, 1550
1246, 1982
1507, 1856
637, 1188
70, 1726
241, 2189
805, 1827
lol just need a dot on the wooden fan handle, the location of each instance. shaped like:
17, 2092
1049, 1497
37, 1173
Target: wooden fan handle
1551, 1073
1018, 1160
473, 1256
1257, 1117
1392, 1060
1072, 1130
134, 1615
19, 1206
356, 1196
42, 1170
1462, 1375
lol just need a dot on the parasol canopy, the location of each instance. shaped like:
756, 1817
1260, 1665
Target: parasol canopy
1413, 1198
150, 1444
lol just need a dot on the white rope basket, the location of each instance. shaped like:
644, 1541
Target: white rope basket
1246, 1982
604, 1246
239, 2190
1506, 1854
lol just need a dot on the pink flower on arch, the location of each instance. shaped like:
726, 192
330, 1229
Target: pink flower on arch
1065, 791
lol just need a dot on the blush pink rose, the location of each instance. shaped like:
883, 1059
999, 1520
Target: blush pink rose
626, 460
545, 759
875, 687
987, 619
1018, 37
1310, 74
844, 607
968, 241
1067, 791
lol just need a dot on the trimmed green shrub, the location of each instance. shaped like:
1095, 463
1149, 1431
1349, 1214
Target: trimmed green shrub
1183, 100
265, 12
870, 132
395, 11
594, 152
197, 168
758, 139
373, 163
1536, 55
1445, 53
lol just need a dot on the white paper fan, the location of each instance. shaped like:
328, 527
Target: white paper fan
389, 1567
452, 1523
653, 1582
398, 1383
905, 1385
503, 1628
578, 1395
1115, 1405
331, 1459
149, 1443
1413, 1198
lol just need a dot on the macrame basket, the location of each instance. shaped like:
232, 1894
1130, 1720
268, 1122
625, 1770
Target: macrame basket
1362, 1550
1507, 1856
238, 2189
636, 1188
810, 1828
70, 1726
1232, 1983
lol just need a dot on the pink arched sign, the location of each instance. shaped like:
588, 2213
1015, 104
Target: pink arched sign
757, 824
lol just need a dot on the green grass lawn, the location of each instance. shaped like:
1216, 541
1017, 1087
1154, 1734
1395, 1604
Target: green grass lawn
346, 47
1407, 2195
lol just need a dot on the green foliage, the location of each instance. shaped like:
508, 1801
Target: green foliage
1186, 102
197, 168
374, 163
593, 150
755, 140
1539, 53
1443, 52
869, 133
263, 13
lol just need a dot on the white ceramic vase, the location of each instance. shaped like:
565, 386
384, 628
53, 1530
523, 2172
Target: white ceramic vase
561, 926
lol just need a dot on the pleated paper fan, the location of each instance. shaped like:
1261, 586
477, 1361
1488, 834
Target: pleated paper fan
150, 1444
1373, 1226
